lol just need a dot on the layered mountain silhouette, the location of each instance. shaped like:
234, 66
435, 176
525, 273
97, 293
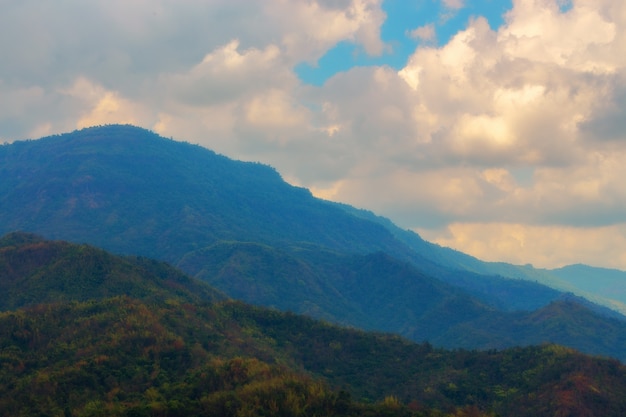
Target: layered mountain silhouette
102, 334
241, 228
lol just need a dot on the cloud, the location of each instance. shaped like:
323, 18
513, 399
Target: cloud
310, 28
518, 129
546, 246
580, 39
103, 106
447, 146
175, 61
227, 74
274, 110
450, 9
454, 4
424, 33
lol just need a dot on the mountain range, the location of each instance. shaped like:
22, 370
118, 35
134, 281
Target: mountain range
108, 335
241, 228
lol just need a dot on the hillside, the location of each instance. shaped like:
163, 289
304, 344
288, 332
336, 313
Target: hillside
251, 235
378, 292
35, 271
131, 355
357, 292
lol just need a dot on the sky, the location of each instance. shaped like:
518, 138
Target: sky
496, 127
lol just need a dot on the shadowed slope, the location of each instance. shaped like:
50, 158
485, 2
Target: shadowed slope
34, 271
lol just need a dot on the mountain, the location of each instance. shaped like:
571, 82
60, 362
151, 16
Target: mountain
576, 279
372, 292
128, 190
35, 271
240, 227
377, 292
603, 282
189, 351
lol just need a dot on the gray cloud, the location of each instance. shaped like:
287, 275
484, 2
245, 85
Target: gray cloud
608, 121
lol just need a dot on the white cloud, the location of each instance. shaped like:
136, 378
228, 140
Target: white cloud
485, 105
310, 28
227, 74
579, 39
274, 110
189, 69
442, 141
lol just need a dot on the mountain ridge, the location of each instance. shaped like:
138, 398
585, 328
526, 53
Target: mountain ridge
562, 279
130, 191
99, 352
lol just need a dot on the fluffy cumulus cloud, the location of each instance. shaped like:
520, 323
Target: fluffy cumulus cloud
497, 131
507, 143
163, 56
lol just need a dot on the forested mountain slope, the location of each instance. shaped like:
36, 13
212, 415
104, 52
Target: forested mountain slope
167, 349
240, 227
378, 292
130, 191
35, 271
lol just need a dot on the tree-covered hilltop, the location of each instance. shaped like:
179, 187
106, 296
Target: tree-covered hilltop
130, 191
133, 337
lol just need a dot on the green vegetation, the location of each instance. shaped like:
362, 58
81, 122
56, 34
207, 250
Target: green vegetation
249, 234
121, 357
378, 292
173, 347
34, 271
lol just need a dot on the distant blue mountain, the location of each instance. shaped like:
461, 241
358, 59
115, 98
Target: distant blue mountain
608, 286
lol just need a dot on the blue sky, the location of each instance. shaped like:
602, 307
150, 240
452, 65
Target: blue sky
402, 17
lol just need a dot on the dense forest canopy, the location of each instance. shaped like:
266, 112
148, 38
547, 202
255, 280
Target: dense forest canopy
173, 347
